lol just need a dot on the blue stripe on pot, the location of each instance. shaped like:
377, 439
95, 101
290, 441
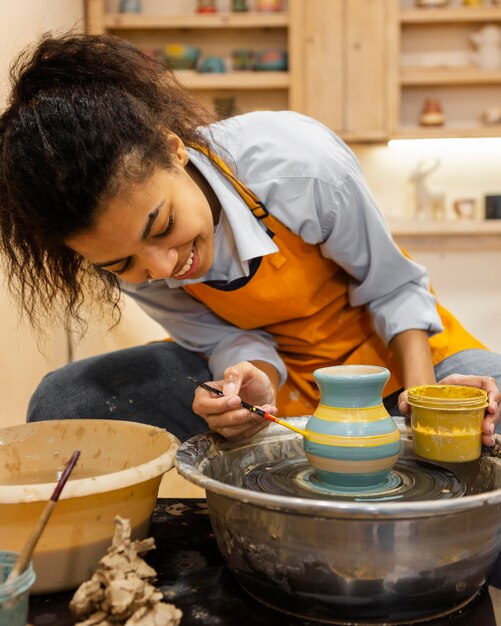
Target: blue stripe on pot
351, 452
358, 386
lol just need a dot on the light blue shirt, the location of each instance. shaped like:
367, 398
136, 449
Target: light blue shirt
310, 181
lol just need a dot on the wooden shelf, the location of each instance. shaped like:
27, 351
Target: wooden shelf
132, 21
234, 80
448, 76
452, 14
447, 132
422, 228
452, 236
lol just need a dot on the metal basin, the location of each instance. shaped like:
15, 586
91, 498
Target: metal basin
347, 561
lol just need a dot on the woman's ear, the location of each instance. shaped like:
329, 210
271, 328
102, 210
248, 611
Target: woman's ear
177, 149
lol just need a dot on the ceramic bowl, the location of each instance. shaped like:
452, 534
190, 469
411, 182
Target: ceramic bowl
118, 473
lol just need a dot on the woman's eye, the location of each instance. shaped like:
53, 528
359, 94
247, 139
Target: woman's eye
167, 229
126, 266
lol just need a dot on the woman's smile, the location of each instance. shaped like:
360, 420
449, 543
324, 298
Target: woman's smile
155, 229
190, 267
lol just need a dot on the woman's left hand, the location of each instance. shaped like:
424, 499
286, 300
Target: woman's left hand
481, 382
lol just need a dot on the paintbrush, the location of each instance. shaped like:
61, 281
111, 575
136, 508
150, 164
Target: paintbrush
24, 558
254, 409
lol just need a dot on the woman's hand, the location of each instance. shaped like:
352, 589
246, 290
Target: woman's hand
481, 382
224, 415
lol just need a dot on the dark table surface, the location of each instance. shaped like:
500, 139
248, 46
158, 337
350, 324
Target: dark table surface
193, 576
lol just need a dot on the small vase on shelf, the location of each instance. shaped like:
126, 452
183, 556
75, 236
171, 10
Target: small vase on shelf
239, 6
269, 6
431, 4
206, 6
432, 114
130, 6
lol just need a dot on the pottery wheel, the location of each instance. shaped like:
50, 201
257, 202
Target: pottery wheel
409, 481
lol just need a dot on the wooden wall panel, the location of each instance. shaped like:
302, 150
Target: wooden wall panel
366, 68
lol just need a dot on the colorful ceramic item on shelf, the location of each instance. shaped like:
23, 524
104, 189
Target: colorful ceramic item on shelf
432, 114
269, 5
242, 59
181, 57
214, 65
447, 422
239, 6
130, 6
354, 443
206, 6
271, 60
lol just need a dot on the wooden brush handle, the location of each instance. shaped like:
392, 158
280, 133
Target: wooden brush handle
24, 558
27, 552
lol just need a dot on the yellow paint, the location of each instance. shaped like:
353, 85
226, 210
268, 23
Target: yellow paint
358, 414
447, 422
366, 442
455, 446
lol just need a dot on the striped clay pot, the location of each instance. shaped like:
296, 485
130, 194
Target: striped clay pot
353, 443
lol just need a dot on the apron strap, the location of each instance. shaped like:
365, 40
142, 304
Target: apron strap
255, 205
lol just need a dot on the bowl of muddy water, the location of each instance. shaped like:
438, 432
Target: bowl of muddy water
420, 545
118, 473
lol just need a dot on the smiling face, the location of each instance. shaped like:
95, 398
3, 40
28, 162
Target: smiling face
159, 228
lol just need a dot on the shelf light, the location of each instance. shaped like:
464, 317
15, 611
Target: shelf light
454, 145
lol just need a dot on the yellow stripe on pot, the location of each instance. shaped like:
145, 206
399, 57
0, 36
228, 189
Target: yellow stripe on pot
366, 442
358, 414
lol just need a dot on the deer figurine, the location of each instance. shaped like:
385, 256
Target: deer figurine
430, 203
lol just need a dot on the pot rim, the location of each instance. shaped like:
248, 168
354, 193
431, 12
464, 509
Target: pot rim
93, 485
186, 458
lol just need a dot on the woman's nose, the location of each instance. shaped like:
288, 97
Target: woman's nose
160, 263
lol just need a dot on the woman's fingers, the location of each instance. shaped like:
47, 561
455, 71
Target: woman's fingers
224, 414
232, 381
403, 405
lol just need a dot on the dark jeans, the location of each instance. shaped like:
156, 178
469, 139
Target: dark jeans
150, 384
146, 384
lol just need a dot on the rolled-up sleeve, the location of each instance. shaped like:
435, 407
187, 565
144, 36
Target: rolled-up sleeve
192, 325
394, 288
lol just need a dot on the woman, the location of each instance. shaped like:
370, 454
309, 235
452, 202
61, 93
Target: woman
255, 242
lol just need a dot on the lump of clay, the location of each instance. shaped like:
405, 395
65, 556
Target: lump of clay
120, 592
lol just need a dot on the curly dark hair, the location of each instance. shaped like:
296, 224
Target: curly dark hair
82, 109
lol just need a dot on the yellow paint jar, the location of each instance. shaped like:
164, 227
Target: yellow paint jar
447, 422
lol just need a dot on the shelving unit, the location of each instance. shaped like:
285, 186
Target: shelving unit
460, 235
129, 21
464, 91
216, 35
449, 15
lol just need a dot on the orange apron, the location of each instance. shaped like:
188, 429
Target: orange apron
301, 299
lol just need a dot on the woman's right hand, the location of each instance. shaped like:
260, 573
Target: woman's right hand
223, 414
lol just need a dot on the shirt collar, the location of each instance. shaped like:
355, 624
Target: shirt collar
238, 237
